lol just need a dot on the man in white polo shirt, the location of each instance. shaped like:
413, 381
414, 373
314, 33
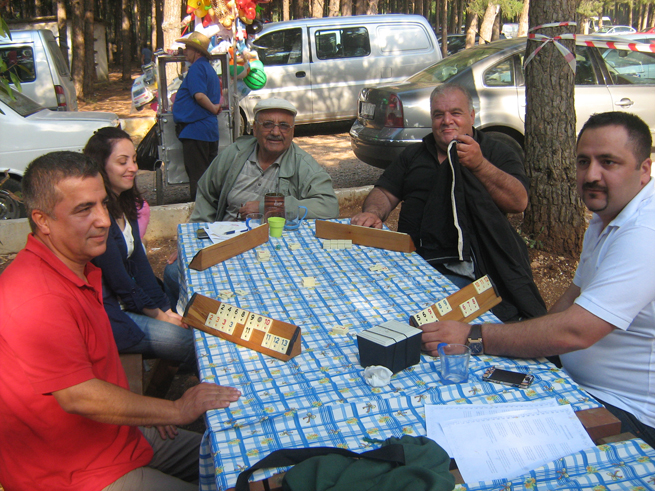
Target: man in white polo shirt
604, 325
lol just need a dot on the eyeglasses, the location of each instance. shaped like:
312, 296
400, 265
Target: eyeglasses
269, 125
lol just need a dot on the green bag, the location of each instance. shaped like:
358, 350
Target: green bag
405, 464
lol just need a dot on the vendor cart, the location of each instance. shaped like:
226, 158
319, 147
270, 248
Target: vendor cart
169, 167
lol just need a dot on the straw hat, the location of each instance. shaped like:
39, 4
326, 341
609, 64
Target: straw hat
197, 41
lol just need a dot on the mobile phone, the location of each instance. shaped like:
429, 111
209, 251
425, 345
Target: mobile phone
505, 377
201, 233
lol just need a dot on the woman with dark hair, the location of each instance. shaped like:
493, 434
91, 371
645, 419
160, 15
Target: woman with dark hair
140, 315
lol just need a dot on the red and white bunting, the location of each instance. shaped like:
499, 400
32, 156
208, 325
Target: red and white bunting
644, 47
568, 56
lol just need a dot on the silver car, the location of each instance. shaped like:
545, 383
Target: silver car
391, 117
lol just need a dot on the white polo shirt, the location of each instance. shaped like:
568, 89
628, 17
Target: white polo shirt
616, 276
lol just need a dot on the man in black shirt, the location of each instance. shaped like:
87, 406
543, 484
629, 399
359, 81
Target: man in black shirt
456, 187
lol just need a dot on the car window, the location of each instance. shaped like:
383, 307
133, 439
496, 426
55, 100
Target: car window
451, 66
501, 74
21, 104
351, 42
584, 70
283, 47
20, 61
414, 38
629, 67
584, 67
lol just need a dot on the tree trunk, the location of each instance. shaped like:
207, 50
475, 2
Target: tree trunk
333, 8
453, 20
495, 30
437, 15
63, 34
346, 8
488, 22
286, 12
126, 52
444, 28
89, 50
317, 8
555, 214
360, 7
78, 46
471, 28
372, 7
298, 9
171, 31
523, 19
419, 8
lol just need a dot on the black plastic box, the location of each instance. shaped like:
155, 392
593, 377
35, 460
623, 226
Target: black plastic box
393, 345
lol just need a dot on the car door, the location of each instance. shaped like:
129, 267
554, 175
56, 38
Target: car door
591, 93
632, 82
342, 63
286, 63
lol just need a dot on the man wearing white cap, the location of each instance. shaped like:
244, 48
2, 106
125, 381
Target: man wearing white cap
268, 162
195, 109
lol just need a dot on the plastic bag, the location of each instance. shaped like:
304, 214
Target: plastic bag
147, 153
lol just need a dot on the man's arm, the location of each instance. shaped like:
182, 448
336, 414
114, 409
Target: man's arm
108, 403
566, 300
376, 209
554, 334
204, 101
507, 191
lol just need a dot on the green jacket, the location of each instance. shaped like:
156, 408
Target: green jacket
301, 180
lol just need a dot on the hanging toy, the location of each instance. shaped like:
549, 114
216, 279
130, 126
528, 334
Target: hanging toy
256, 78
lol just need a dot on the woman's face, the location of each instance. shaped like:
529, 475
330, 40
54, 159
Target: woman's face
121, 166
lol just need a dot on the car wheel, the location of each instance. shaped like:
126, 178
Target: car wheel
507, 140
10, 195
243, 124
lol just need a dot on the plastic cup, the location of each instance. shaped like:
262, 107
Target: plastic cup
454, 362
253, 220
294, 217
276, 226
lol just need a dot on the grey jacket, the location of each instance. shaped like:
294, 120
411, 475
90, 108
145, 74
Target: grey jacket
300, 179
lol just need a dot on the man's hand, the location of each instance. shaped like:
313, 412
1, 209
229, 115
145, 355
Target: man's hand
203, 397
377, 206
469, 153
172, 258
506, 190
435, 333
167, 431
366, 220
248, 208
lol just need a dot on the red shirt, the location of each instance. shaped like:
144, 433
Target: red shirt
54, 333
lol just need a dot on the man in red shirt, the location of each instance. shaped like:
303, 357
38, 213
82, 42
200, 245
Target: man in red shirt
67, 418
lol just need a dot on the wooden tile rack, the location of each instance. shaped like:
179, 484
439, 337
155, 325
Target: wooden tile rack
366, 236
464, 305
268, 336
217, 253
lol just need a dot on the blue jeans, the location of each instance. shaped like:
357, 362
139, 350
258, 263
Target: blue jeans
172, 284
632, 424
164, 340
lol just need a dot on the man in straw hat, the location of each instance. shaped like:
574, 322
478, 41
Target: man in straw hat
195, 109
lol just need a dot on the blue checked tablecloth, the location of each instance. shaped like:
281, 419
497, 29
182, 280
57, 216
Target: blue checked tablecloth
320, 398
626, 466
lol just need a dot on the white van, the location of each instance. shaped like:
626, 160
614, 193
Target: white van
321, 65
34, 56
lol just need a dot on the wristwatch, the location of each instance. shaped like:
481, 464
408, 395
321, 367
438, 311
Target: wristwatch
474, 340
